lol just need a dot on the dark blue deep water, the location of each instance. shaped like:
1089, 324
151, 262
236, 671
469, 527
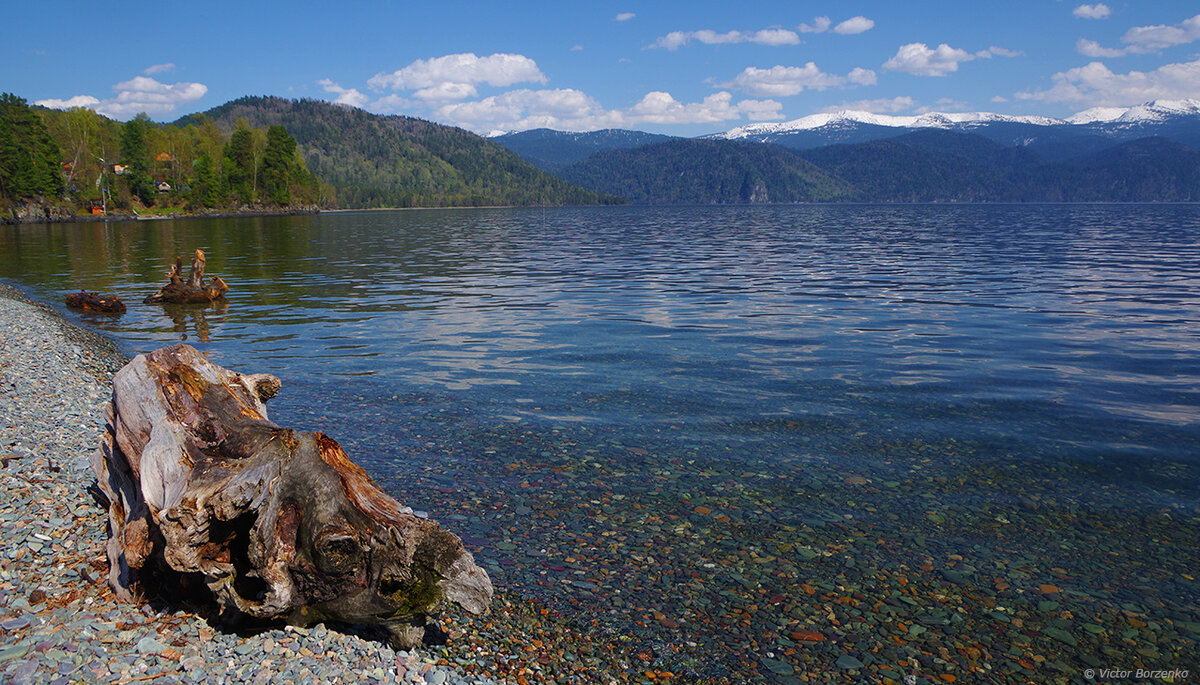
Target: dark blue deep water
690, 413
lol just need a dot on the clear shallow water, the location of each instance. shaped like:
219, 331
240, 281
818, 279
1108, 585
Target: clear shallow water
668, 396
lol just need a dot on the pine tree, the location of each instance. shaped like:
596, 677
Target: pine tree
29, 157
238, 165
205, 189
278, 160
135, 155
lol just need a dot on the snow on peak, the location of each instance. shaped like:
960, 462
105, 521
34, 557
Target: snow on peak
1148, 112
1156, 110
927, 120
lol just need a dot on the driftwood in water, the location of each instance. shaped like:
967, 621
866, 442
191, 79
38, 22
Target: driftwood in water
279, 524
95, 302
194, 289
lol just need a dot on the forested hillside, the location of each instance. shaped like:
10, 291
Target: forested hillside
685, 171
922, 166
76, 159
392, 161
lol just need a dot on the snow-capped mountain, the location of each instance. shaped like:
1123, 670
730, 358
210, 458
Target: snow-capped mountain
851, 117
1149, 112
1177, 119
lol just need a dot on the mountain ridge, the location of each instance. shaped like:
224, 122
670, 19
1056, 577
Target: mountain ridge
374, 160
1153, 111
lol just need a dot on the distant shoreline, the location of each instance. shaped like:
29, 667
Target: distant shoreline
45, 217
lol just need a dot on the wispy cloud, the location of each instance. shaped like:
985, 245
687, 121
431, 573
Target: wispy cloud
1095, 85
918, 59
784, 81
1158, 37
849, 27
77, 101
819, 25
1096, 11
624, 16
854, 25
138, 94
345, 96
943, 105
995, 51
1090, 48
775, 36
1140, 40
159, 69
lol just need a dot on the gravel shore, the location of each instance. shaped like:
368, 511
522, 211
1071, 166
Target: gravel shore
59, 622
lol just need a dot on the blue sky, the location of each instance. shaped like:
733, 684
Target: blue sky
680, 68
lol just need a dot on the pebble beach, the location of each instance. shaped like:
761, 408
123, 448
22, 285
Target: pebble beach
59, 622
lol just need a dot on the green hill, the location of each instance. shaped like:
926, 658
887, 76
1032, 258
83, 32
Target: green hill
373, 160
921, 166
685, 171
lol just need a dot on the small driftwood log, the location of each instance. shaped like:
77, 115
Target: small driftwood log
279, 524
95, 302
192, 291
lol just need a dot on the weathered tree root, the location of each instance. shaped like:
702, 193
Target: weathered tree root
277, 523
192, 291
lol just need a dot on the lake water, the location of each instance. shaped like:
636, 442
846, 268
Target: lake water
694, 433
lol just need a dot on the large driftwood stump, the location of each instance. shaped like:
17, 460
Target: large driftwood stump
192, 291
279, 524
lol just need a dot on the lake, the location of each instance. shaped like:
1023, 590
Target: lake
944, 439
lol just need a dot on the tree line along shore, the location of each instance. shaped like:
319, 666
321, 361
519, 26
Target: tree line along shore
76, 164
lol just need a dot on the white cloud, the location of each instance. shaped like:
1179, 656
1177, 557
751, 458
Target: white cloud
677, 39
819, 25
1095, 85
625, 16
862, 77
662, 108
144, 94
999, 98
1149, 38
995, 51
572, 110
781, 81
138, 94
500, 69
524, 109
77, 101
345, 96
443, 92
672, 41
159, 69
761, 110
854, 25
1090, 48
901, 103
918, 59
1096, 11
